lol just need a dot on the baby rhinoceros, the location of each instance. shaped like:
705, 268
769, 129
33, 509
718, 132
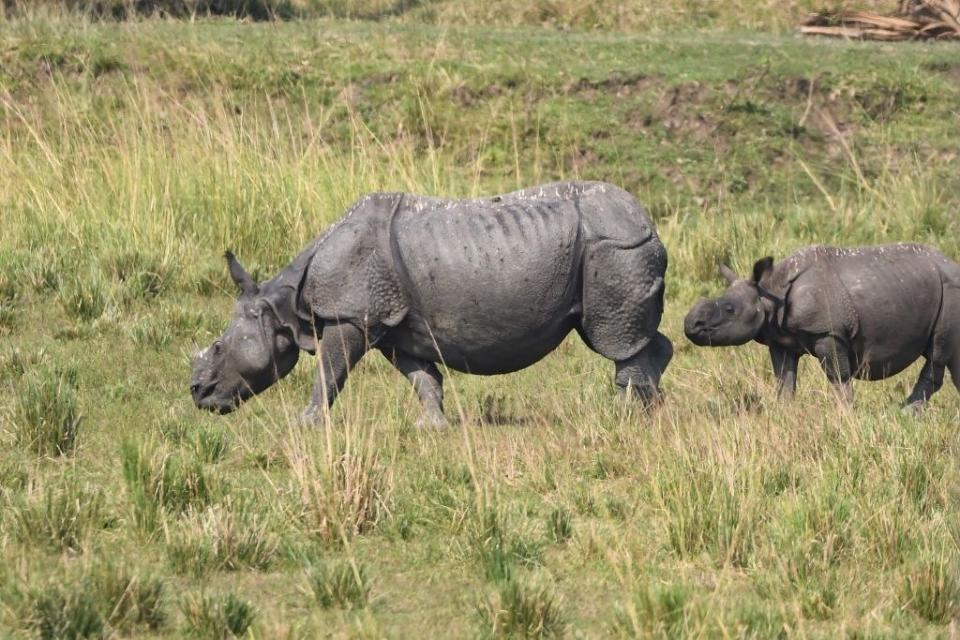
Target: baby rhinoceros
866, 313
485, 285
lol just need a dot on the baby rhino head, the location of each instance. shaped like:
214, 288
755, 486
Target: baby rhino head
734, 318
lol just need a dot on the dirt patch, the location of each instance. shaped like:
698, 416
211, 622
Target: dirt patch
620, 85
826, 112
948, 70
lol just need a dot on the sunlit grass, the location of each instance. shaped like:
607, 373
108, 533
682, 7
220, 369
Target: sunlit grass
722, 514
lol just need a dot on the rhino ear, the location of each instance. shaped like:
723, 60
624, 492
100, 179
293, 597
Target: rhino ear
728, 274
240, 276
762, 267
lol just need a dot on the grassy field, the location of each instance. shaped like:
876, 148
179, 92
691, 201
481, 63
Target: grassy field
132, 154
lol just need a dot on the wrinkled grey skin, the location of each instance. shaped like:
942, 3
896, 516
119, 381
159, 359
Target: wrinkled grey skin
485, 286
865, 313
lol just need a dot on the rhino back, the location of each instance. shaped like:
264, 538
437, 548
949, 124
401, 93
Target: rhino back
497, 268
893, 291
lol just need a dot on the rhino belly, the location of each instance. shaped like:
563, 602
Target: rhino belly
897, 306
492, 289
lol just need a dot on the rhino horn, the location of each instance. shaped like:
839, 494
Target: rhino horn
728, 274
240, 276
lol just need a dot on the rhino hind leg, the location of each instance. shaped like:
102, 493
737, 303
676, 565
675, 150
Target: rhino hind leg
427, 381
929, 382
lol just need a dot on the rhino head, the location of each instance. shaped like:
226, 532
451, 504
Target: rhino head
736, 317
258, 348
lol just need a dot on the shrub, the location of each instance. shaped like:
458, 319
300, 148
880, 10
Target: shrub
47, 418
342, 584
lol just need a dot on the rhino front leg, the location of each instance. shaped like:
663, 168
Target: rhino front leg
427, 381
640, 375
929, 382
341, 347
834, 357
785, 369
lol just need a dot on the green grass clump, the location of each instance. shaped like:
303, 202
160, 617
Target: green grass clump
932, 590
151, 332
159, 481
47, 416
84, 294
213, 617
498, 548
212, 445
341, 584
103, 600
522, 609
222, 538
58, 612
657, 612
559, 525
342, 485
61, 517
709, 513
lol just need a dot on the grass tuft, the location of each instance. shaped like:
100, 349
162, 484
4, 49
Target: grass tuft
60, 517
341, 584
655, 612
498, 549
932, 591
158, 481
84, 296
560, 525
211, 445
212, 617
522, 609
222, 539
47, 418
341, 484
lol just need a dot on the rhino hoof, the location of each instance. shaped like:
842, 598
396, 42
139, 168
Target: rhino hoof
914, 409
432, 421
312, 417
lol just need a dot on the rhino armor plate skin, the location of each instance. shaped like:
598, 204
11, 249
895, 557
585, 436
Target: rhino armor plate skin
863, 312
485, 286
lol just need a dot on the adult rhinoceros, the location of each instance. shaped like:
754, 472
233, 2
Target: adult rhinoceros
863, 312
485, 286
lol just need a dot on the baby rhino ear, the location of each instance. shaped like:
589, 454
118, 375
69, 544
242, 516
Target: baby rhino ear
762, 267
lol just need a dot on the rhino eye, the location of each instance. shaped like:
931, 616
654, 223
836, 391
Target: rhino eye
217, 347
728, 308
